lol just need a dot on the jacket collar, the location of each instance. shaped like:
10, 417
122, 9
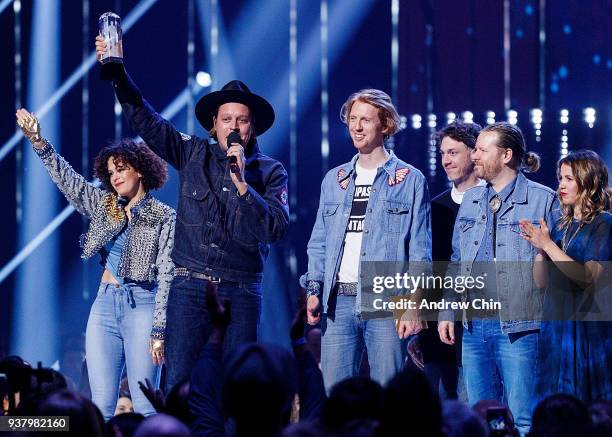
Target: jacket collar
389, 166
518, 195
142, 203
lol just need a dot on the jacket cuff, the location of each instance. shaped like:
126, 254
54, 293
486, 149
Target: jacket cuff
157, 333
247, 198
307, 277
126, 90
46, 151
314, 288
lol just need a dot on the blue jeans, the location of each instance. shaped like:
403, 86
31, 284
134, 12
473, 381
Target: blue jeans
188, 322
502, 367
117, 335
345, 338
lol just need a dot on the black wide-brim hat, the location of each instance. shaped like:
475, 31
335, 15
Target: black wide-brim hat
235, 92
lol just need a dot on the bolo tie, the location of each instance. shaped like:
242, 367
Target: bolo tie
495, 205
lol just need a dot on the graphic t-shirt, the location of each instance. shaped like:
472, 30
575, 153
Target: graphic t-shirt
349, 266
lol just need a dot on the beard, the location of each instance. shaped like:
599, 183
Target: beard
488, 171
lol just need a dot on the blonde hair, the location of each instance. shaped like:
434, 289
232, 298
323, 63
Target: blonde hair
389, 118
594, 194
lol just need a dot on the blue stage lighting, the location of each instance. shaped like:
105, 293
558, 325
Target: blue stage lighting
512, 116
204, 79
36, 313
564, 116
589, 116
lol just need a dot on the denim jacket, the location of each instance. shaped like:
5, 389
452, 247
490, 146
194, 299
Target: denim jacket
146, 254
218, 232
397, 225
516, 290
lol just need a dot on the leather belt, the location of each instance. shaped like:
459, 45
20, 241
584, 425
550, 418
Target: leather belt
346, 288
185, 272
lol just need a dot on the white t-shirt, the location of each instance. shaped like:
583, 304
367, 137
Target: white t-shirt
349, 266
457, 195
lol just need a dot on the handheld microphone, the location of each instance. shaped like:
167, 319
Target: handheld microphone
233, 137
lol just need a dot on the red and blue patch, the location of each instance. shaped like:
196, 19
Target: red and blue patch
342, 179
400, 175
283, 195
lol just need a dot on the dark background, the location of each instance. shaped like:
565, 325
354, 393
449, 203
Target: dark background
450, 57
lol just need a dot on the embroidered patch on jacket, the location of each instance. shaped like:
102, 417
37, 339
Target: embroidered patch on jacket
342, 179
400, 175
185, 137
283, 196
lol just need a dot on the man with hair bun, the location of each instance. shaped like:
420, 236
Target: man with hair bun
373, 208
499, 348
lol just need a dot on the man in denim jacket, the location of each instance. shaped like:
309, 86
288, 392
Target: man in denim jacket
373, 208
499, 350
232, 206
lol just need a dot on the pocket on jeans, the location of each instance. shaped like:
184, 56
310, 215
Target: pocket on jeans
143, 295
253, 290
102, 289
177, 281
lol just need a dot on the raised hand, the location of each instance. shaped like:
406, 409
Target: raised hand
156, 397
101, 47
29, 126
237, 151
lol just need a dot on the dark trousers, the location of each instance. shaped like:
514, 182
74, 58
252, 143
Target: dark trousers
188, 322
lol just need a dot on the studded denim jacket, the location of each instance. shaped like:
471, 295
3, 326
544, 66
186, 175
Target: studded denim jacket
146, 254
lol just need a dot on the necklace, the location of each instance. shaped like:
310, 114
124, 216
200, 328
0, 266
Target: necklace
495, 203
564, 242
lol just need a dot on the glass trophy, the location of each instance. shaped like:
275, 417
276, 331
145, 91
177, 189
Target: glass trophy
110, 28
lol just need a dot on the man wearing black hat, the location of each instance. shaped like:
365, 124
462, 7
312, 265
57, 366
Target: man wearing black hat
232, 205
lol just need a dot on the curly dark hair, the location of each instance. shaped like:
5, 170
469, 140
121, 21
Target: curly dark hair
465, 133
137, 155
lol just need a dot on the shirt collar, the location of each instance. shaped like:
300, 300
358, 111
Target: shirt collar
389, 165
457, 195
505, 193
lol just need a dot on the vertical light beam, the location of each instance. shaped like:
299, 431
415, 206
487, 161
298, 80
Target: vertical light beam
36, 325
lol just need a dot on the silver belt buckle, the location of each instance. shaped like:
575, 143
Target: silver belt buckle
347, 289
214, 280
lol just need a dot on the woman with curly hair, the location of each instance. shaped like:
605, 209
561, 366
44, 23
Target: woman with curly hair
576, 356
133, 233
